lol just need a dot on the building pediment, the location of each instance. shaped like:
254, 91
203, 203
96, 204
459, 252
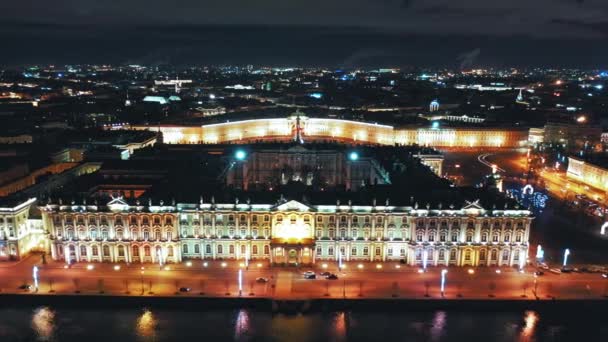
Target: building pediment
293, 206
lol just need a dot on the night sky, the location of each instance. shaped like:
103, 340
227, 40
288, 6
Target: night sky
345, 33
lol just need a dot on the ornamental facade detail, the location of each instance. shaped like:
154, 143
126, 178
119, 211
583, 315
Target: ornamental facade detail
288, 232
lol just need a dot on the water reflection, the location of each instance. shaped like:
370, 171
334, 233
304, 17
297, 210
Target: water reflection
339, 326
439, 321
530, 320
241, 328
146, 324
43, 323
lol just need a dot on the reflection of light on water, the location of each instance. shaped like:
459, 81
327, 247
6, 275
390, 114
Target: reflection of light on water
43, 323
146, 324
241, 327
339, 326
438, 325
530, 320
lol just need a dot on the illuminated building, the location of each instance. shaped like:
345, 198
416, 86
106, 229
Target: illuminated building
323, 130
573, 136
588, 173
434, 106
20, 234
314, 167
287, 232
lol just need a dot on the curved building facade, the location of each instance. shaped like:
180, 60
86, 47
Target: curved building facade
298, 127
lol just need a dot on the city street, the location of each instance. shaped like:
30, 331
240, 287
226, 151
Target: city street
367, 280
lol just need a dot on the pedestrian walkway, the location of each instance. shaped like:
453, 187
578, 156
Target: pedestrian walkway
283, 285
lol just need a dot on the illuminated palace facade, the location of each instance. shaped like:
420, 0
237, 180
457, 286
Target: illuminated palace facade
288, 232
318, 129
588, 173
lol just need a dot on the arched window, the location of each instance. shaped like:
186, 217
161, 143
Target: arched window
231, 249
505, 255
95, 250
441, 254
467, 255
493, 255
106, 251
135, 251
243, 250
482, 254
121, 251
266, 249
208, 249
185, 249
220, 249
197, 249
83, 251
254, 250
170, 251
147, 251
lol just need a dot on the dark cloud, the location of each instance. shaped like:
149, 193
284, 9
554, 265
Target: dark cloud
347, 32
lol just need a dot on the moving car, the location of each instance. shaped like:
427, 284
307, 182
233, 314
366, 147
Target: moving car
331, 277
25, 287
261, 280
325, 274
184, 289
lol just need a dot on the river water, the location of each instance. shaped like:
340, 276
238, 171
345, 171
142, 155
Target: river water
57, 324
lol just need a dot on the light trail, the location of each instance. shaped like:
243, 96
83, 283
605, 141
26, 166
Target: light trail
482, 159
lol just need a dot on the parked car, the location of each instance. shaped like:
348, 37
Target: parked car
331, 277
184, 289
555, 270
325, 274
261, 280
310, 276
25, 287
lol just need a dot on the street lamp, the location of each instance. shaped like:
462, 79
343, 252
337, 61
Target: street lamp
443, 273
424, 259
35, 275
240, 282
540, 253
566, 253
